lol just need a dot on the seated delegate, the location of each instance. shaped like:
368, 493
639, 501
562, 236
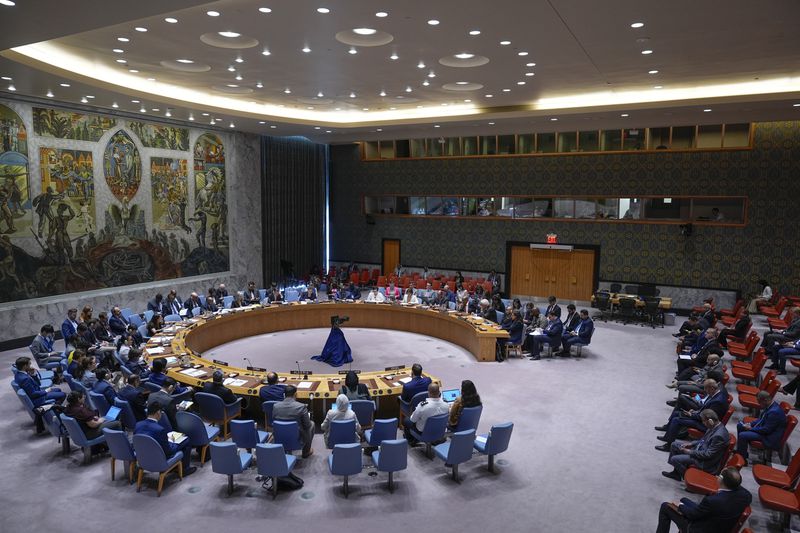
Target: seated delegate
705, 453
151, 427
339, 411
767, 428
579, 335
272, 391
469, 397
431, 406
28, 380
291, 410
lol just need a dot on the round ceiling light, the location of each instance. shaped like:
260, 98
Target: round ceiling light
212, 13
381, 14
462, 86
171, 20
228, 40
365, 31
229, 34
364, 37
460, 60
265, 10
465, 55
232, 90
185, 67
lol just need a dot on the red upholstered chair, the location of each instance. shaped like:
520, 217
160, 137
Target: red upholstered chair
376, 273
381, 281
791, 422
363, 280
695, 433
786, 406
480, 280
781, 323
452, 285
701, 482
733, 311
776, 311
780, 500
471, 286
753, 372
749, 401
742, 519
745, 351
742, 388
436, 285
354, 277
487, 286
730, 320
783, 479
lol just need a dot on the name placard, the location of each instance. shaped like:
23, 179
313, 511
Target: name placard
344, 372
398, 367
256, 369
218, 362
301, 372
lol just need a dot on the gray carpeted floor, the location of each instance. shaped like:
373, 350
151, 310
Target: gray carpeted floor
581, 455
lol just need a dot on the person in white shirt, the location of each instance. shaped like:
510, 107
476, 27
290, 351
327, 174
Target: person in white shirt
375, 296
409, 297
432, 406
462, 297
763, 298
340, 411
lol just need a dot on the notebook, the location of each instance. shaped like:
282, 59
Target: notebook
176, 437
450, 395
113, 413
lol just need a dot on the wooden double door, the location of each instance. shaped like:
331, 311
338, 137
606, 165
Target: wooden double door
565, 274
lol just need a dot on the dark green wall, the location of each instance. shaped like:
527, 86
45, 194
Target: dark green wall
720, 257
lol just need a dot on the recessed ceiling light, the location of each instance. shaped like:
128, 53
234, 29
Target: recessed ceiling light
420, 65
264, 10
238, 77
273, 127
658, 87
475, 32
232, 125
381, 14
462, 82
7, 78
205, 114
394, 56
327, 131
90, 96
228, 34
259, 85
554, 119
140, 28
652, 72
436, 126
232, 85
506, 90
323, 10
707, 110
134, 101
352, 95
320, 95
239, 60
287, 90
520, 83
637, 25
191, 117
624, 115
231, 69
409, 89
505, 43
352, 50
121, 61
168, 113
12, 88
379, 129
212, 13
383, 93
213, 122
467, 100
491, 123
426, 83
530, 64
465, 55
489, 95
261, 122
265, 52
171, 20
433, 22
115, 105
529, 74
83, 100
151, 79
364, 109
123, 39
306, 49
431, 74
49, 94
156, 109
9, 3
133, 70
647, 52
365, 31
522, 53
796, 105
64, 84
118, 51
185, 61
142, 110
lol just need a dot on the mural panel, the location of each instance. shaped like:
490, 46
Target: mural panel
211, 204
122, 166
15, 204
170, 194
69, 125
67, 179
157, 136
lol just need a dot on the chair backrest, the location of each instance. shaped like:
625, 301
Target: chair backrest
126, 415
227, 301
728, 413
631, 289
773, 387
149, 454
602, 299
193, 427
393, 456
267, 408
126, 312
627, 306
225, 458
793, 470
364, 410
342, 432
416, 399
383, 430
119, 445
742, 519
767, 379
469, 419
727, 454
27, 403
346, 459
75, 432
287, 432
244, 433
291, 295
197, 310
435, 428
136, 320
615, 287
148, 315
53, 424
791, 422
100, 402
172, 318
211, 406
143, 331
152, 387
460, 450
500, 317
271, 460
651, 304
499, 437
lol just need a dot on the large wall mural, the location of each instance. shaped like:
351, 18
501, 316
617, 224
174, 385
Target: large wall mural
63, 231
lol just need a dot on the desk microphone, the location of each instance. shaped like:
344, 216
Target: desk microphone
248, 361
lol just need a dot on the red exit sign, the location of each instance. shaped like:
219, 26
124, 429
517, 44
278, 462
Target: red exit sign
552, 238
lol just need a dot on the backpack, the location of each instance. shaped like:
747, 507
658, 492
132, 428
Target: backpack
285, 483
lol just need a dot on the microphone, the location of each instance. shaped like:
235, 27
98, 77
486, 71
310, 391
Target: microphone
249, 362
298, 366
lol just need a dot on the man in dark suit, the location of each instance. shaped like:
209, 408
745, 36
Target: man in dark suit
715, 512
292, 410
70, 325
768, 428
792, 333
218, 389
418, 383
117, 323
165, 399
251, 294
716, 400
173, 304
192, 302
101, 330
486, 311
135, 395
151, 427
581, 334
551, 335
104, 387
272, 391
708, 319
156, 305
738, 330
572, 320
699, 358
705, 454
28, 380
552, 307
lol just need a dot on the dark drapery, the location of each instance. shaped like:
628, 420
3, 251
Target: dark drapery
292, 204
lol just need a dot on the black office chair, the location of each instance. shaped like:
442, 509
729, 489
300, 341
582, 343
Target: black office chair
652, 311
602, 301
616, 287
632, 289
626, 310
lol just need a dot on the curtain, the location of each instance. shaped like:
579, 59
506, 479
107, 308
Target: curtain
293, 200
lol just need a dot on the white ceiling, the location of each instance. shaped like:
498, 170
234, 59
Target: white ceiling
581, 49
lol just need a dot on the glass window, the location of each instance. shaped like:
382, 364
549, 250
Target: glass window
387, 149
610, 140
567, 141
452, 146
402, 148
401, 205
545, 143
488, 145
485, 207
469, 206
585, 208
588, 141
386, 205
709, 136
608, 208
564, 208
416, 205
470, 145
371, 150
450, 206
435, 205
506, 207
722, 210
682, 137
418, 148
631, 208
525, 143
370, 205
633, 139
523, 207
506, 144
736, 135
659, 139
666, 208
542, 207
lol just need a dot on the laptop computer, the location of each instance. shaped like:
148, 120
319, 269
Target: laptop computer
450, 395
113, 413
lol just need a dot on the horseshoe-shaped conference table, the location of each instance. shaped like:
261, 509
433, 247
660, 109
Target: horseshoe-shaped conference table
183, 344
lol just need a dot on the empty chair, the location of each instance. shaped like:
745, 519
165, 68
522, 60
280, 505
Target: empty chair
767, 475
469, 419
383, 429
228, 460
626, 309
341, 432
345, 461
200, 435
99, 401
143, 331
121, 450
495, 442
245, 434
435, 428
287, 433
197, 310
53, 424
274, 462
457, 450
136, 320
126, 415
148, 315
151, 458
364, 410
79, 437
392, 457
227, 301
267, 408
173, 318
615, 287
213, 409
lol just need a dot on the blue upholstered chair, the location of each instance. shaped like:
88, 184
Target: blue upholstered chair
121, 450
27, 403
126, 416
79, 437
143, 331
152, 387
365, 412
173, 318
406, 408
202, 299
228, 460
197, 310
99, 401
291, 295
392, 457
435, 429
383, 429
341, 432
262, 293
148, 315
287, 433
469, 419
227, 301
345, 461
495, 442
200, 435
135, 319
125, 312
245, 434
457, 450
273, 461
267, 408
151, 458
214, 410
126, 373
53, 424
500, 317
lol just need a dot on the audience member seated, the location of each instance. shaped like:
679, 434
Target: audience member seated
375, 296
117, 323
136, 337
102, 386
352, 292
158, 376
155, 324
487, 312
90, 420
193, 302
165, 399
392, 292
687, 412
173, 305
218, 389
707, 318
151, 427
512, 323
417, 384
251, 296
468, 398
693, 345
533, 318
353, 389
274, 294
310, 294
497, 304
28, 380
70, 325
272, 391
42, 346
579, 335
220, 292
705, 453
124, 346
780, 352
135, 395
572, 319
690, 328
333, 292
551, 335
792, 333
86, 314
552, 307
339, 411
156, 305
409, 297
716, 512
691, 380
768, 428
431, 406
764, 298
238, 301
739, 330
88, 375
212, 304
102, 331
136, 365
700, 357
462, 298
426, 295
440, 300
292, 410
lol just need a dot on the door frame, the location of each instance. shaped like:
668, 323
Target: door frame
399, 249
593, 247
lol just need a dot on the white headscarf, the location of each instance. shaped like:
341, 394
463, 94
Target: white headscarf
342, 403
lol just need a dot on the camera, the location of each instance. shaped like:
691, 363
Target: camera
337, 320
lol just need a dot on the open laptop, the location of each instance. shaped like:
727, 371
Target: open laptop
450, 395
113, 413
